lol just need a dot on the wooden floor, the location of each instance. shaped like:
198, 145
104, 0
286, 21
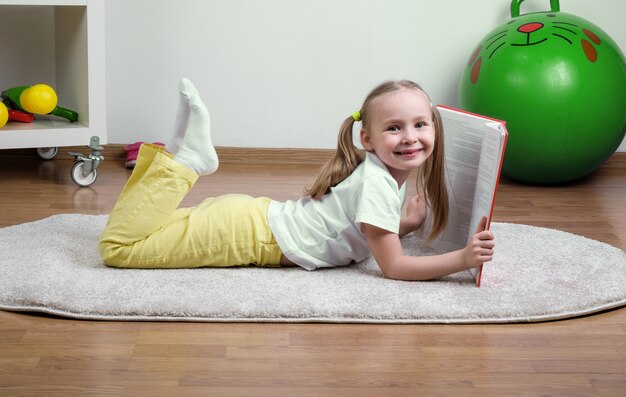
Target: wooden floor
48, 356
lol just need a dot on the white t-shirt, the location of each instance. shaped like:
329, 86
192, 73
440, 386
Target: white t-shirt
327, 232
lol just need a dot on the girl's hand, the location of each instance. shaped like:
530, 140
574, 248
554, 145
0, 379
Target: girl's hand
415, 213
480, 247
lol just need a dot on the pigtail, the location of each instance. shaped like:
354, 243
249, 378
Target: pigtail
345, 159
431, 182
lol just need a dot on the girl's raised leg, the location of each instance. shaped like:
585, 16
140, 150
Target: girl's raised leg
146, 228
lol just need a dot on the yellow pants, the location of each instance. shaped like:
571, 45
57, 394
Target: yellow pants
146, 229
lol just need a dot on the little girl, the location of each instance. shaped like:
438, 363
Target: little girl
353, 209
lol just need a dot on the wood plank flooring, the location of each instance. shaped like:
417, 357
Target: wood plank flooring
47, 356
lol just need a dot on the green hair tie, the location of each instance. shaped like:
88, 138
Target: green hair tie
356, 116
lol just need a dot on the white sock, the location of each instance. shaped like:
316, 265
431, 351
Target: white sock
196, 149
181, 122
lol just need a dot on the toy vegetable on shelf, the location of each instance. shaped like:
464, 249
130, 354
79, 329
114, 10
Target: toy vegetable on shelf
13, 115
36, 99
4, 114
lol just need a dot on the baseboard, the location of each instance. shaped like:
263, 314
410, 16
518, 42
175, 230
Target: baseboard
274, 155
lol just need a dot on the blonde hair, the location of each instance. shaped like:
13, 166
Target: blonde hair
430, 180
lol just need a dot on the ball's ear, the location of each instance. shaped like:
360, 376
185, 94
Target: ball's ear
366, 140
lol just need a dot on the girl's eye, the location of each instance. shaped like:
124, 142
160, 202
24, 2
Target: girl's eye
420, 124
393, 128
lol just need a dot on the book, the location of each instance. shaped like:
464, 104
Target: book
474, 147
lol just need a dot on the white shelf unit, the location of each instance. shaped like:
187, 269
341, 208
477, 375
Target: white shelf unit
59, 43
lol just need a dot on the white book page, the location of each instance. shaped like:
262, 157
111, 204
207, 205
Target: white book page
487, 177
463, 140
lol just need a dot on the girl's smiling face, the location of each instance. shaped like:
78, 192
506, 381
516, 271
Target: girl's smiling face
401, 131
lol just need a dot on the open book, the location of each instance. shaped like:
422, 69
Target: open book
474, 151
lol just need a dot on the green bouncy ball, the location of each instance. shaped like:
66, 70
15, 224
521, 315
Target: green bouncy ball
559, 82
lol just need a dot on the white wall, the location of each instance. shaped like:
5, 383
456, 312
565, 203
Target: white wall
285, 73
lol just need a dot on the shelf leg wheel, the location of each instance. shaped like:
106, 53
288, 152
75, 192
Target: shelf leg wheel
47, 153
84, 169
83, 174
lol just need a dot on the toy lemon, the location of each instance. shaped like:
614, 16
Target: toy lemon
4, 115
38, 99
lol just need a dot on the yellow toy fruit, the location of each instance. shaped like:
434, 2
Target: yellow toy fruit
39, 99
4, 115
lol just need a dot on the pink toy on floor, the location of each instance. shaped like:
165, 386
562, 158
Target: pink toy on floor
131, 152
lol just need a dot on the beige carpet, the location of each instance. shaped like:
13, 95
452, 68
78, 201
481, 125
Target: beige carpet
52, 266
